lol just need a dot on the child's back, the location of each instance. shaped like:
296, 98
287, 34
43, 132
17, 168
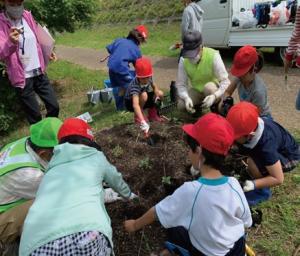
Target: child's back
215, 214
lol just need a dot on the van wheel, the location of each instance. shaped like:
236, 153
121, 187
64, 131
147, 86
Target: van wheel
280, 54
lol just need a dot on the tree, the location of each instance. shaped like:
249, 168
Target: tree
63, 15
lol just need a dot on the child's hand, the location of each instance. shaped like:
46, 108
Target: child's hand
144, 126
130, 226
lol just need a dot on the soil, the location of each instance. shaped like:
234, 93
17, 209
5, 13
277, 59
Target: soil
143, 167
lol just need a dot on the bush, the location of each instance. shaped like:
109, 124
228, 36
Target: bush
63, 15
9, 109
134, 10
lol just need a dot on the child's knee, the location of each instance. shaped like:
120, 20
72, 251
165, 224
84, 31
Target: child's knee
160, 93
144, 97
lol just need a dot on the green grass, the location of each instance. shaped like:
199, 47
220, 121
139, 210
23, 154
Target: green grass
161, 37
279, 234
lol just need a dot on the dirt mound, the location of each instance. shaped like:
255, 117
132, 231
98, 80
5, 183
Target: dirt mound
146, 169
153, 172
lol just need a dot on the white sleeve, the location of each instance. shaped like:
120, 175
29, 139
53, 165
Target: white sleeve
244, 212
23, 182
221, 74
175, 210
182, 81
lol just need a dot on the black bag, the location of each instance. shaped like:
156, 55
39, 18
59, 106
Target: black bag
293, 10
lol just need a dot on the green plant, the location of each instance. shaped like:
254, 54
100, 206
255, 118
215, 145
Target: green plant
145, 163
166, 180
117, 151
64, 15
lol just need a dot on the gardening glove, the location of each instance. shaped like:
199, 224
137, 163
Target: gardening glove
133, 196
193, 171
111, 196
249, 185
144, 126
189, 106
209, 101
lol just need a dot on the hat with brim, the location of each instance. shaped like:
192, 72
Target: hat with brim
243, 60
192, 42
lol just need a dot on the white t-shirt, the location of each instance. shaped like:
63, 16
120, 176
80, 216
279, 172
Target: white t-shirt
214, 211
30, 59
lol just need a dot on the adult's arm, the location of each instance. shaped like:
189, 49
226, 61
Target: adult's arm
182, 81
221, 74
7, 47
295, 39
22, 183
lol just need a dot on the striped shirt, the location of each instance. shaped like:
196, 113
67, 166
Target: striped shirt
294, 43
136, 89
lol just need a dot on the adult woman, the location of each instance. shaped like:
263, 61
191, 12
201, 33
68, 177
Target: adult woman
21, 51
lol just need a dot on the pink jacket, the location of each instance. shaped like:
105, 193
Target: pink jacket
9, 52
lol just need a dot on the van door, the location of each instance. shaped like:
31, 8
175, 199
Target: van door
217, 21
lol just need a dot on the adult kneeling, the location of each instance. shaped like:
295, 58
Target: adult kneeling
206, 71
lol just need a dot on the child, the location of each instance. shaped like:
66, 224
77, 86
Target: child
142, 93
125, 51
272, 150
207, 216
68, 216
250, 86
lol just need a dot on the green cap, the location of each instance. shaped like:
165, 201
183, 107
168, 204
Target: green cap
44, 133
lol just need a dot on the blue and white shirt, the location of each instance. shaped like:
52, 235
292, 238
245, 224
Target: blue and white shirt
214, 211
135, 88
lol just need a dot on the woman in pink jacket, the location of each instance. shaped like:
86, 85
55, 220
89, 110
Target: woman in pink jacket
21, 51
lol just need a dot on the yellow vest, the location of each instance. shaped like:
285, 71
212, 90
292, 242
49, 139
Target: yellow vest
202, 73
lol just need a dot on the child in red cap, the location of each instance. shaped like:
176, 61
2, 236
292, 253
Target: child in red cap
272, 150
246, 64
68, 216
142, 93
207, 216
123, 52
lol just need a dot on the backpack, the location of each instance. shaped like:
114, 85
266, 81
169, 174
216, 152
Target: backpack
262, 14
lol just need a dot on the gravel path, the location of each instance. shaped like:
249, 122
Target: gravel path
282, 96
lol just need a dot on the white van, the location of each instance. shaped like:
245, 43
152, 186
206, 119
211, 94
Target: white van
218, 31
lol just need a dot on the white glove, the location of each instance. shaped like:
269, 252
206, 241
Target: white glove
189, 106
111, 196
249, 185
133, 196
194, 171
209, 101
144, 126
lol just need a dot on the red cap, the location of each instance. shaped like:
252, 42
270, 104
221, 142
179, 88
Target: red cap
243, 117
143, 68
243, 60
143, 31
75, 126
212, 132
